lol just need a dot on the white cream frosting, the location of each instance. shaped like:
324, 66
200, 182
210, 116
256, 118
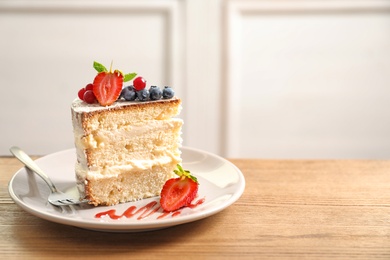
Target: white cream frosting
80, 106
133, 165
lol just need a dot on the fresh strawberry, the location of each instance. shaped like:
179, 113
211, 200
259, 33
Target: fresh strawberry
179, 192
107, 87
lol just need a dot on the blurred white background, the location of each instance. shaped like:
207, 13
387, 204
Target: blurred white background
258, 78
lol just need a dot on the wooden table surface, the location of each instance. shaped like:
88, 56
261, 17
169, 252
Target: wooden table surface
291, 209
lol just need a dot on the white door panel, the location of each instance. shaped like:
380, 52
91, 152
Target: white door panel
307, 81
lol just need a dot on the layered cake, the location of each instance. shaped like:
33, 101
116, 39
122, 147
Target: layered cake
128, 147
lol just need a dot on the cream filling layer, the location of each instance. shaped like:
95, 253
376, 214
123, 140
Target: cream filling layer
99, 138
83, 172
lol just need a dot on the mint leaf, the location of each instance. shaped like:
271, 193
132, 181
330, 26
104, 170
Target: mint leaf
99, 67
129, 76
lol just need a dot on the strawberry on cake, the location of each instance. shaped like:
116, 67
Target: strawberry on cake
127, 139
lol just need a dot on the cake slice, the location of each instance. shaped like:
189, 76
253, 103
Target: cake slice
125, 151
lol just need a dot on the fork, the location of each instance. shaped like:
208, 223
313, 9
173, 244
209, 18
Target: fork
56, 197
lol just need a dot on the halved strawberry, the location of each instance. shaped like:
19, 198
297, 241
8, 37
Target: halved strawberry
107, 87
179, 192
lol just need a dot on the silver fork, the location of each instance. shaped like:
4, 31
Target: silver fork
56, 197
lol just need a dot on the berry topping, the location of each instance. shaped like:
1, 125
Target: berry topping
168, 92
155, 93
139, 83
107, 87
143, 95
89, 97
89, 86
179, 192
81, 93
128, 93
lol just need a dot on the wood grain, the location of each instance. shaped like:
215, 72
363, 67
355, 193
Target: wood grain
291, 209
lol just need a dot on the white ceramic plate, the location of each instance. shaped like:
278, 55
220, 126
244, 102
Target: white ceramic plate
221, 184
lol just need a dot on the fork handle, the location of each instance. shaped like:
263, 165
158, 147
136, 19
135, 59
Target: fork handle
29, 163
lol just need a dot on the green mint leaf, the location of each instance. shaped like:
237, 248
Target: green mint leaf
129, 76
99, 67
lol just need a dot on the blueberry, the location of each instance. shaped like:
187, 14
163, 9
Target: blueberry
143, 94
155, 93
128, 93
168, 92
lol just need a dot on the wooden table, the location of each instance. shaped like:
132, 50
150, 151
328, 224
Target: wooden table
290, 209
